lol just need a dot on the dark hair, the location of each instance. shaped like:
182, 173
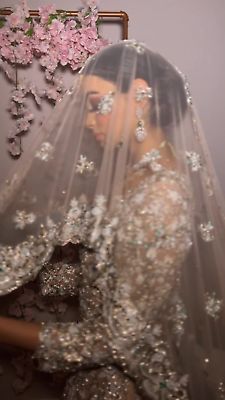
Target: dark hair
166, 82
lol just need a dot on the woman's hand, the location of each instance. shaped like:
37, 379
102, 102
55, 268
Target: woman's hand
19, 333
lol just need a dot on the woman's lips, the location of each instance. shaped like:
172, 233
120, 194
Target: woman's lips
99, 136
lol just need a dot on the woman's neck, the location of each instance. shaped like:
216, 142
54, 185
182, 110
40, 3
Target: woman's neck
156, 139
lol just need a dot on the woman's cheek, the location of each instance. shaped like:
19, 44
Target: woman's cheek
103, 120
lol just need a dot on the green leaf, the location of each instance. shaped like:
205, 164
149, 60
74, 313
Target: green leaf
29, 32
2, 23
51, 18
29, 19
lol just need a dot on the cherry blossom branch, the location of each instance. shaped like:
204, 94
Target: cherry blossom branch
56, 41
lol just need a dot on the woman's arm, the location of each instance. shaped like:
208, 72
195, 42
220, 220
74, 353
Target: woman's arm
19, 333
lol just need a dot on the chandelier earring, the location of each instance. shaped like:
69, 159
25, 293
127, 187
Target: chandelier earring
140, 132
141, 94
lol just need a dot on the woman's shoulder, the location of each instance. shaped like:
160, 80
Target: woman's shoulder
164, 185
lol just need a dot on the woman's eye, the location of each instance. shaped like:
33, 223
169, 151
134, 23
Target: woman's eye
93, 104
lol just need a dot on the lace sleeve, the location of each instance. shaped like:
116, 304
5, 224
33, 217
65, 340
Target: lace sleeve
151, 243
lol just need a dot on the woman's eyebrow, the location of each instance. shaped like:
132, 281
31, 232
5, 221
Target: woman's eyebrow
91, 92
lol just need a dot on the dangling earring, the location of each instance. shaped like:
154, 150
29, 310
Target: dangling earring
140, 132
141, 94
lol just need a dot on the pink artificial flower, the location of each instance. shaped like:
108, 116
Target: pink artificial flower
14, 146
23, 54
66, 35
9, 70
56, 27
48, 75
15, 19
58, 82
42, 47
22, 125
16, 111
39, 32
71, 24
37, 94
8, 53
17, 37
52, 94
45, 12
18, 96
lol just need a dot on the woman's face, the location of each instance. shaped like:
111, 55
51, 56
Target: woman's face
103, 119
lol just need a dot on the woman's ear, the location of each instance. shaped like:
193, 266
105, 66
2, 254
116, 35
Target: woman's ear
139, 83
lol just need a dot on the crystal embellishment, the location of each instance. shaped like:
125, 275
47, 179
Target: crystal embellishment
186, 86
207, 231
139, 47
84, 166
45, 152
213, 305
221, 390
22, 219
142, 93
106, 103
194, 160
150, 160
187, 91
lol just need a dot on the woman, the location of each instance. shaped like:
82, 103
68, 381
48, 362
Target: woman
126, 179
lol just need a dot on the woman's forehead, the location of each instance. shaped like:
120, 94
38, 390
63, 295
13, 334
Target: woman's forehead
93, 83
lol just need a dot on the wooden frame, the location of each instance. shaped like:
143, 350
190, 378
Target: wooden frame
106, 16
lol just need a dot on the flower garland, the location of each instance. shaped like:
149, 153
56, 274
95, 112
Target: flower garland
56, 41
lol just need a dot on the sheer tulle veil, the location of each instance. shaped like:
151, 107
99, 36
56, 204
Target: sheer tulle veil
129, 108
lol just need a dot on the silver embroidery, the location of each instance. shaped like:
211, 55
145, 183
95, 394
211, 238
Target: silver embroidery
194, 160
150, 160
207, 231
106, 103
83, 165
21, 263
22, 219
213, 305
46, 151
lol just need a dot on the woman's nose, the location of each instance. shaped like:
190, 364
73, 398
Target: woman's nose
90, 122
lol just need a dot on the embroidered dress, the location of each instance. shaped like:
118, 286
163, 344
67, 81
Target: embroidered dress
130, 304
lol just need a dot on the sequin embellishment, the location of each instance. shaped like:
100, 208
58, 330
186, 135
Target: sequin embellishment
139, 47
106, 103
194, 160
213, 305
207, 231
83, 165
45, 152
22, 219
150, 160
